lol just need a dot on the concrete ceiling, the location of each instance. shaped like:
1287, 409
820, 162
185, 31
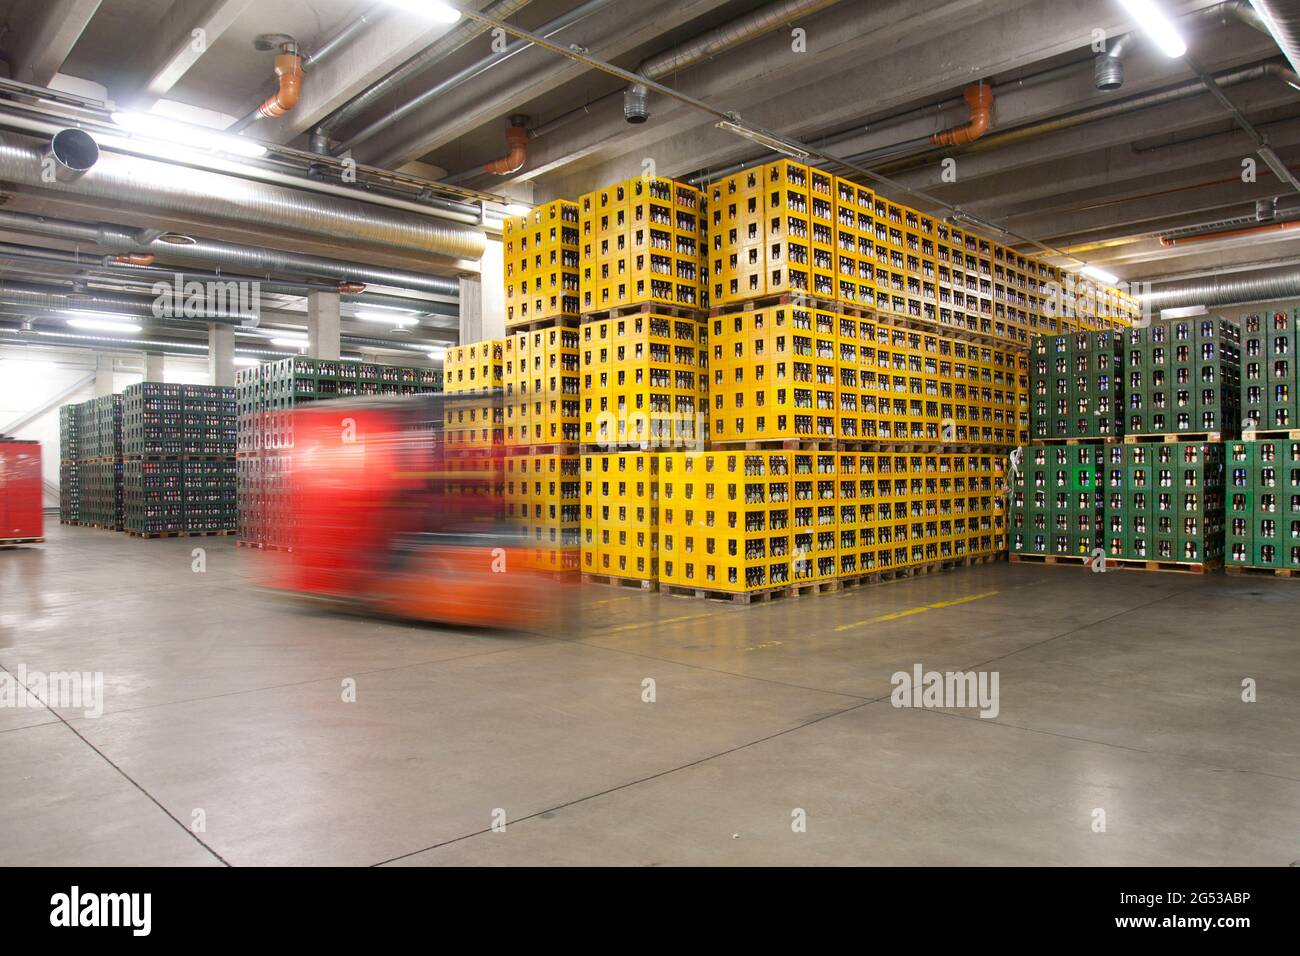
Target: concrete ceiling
873, 74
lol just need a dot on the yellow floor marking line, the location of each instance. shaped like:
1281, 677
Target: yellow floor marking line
937, 605
671, 620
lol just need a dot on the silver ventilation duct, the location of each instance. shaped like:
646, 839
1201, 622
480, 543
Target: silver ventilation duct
749, 27
161, 187
254, 260
1227, 289
26, 295
1282, 18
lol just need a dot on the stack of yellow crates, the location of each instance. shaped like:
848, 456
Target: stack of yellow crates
620, 516
474, 373
541, 382
644, 381
775, 374
543, 498
844, 409
540, 250
642, 242
542, 388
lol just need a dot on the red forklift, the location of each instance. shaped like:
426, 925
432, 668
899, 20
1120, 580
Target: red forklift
392, 507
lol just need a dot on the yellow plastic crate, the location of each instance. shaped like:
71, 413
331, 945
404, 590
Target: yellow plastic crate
541, 263
644, 381
642, 241
543, 501
620, 515
725, 520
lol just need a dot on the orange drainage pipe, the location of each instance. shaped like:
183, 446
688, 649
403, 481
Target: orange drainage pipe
288, 67
517, 143
979, 98
1230, 233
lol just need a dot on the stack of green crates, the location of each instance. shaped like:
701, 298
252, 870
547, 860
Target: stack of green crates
69, 464
1183, 376
154, 497
1164, 502
107, 412
208, 421
101, 493
1054, 500
1268, 370
1076, 385
208, 490
1263, 504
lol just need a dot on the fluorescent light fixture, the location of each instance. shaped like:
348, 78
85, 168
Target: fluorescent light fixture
1183, 312
764, 139
430, 9
106, 325
247, 361
290, 343
390, 318
185, 136
1101, 275
1153, 22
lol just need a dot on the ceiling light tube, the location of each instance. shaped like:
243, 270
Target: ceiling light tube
1100, 275
106, 325
429, 9
1158, 28
184, 136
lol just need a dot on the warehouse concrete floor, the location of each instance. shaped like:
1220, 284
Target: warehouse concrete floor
225, 736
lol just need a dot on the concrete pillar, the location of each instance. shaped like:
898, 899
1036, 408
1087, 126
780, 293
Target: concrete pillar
323, 325
153, 367
221, 354
103, 375
482, 297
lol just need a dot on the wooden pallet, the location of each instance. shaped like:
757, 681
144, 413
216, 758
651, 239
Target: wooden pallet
1017, 557
1243, 570
795, 300
613, 580
1173, 438
564, 448
776, 444
1096, 440
179, 534
642, 308
730, 597
1271, 434
1132, 564
541, 325
815, 587
261, 545
1182, 567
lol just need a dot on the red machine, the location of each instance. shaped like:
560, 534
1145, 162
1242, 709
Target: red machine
383, 514
21, 519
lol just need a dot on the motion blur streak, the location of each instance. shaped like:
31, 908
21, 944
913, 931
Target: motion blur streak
388, 510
